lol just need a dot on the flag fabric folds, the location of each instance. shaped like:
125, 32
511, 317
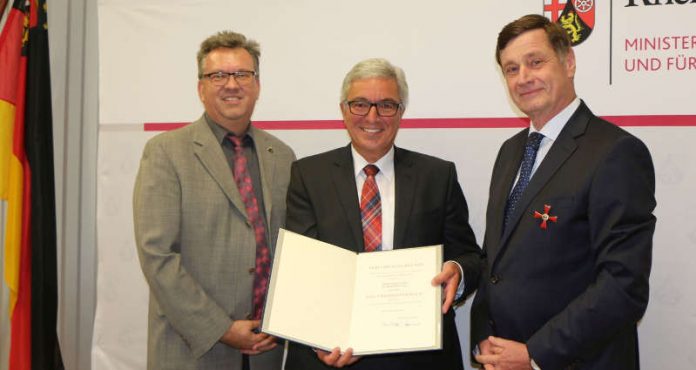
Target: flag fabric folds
27, 186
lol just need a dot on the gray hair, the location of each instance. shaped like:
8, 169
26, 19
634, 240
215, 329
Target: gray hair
228, 39
376, 68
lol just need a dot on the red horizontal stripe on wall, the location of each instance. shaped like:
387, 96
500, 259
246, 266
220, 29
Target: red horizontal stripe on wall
654, 121
510, 122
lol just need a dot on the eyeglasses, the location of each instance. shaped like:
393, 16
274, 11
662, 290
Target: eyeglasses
385, 108
243, 78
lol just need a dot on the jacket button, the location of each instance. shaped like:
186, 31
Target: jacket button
248, 316
494, 279
251, 270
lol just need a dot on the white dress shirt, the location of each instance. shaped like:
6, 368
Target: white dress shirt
551, 130
386, 184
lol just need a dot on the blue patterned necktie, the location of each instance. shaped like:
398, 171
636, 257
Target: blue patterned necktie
530, 151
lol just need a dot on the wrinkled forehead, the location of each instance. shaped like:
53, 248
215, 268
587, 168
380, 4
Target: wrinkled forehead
530, 43
223, 55
374, 88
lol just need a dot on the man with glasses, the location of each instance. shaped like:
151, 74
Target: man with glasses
372, 196
208, 201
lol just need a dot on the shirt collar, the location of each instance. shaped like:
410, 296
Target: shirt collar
385, 164
221, 132
553, 127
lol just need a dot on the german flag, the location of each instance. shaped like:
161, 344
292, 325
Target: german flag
27, 185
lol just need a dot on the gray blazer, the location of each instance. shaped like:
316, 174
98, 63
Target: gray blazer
196, 249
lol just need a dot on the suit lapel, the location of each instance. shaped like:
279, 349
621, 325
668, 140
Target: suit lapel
209, 152
562, 148
405, 187
343, 177
267, 163
509, 166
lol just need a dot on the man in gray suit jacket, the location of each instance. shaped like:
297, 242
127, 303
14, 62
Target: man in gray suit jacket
204, 241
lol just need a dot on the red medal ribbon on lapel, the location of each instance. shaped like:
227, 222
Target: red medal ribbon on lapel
545, 216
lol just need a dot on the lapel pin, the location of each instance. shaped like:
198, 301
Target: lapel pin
545, 216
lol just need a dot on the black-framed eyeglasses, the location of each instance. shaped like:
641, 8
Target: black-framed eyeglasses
220, 78
385, 108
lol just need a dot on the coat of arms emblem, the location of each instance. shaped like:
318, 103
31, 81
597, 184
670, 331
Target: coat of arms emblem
577, 17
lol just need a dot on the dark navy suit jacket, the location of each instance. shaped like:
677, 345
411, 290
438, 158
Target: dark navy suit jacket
573, 292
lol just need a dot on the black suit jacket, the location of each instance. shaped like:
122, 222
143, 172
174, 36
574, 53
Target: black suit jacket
430, 208
573, 292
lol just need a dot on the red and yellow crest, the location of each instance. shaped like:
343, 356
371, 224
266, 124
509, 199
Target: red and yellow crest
577, 17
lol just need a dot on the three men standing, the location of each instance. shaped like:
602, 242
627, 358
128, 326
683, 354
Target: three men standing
569, 224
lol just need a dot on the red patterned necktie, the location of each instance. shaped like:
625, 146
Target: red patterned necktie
246, 190
371, 211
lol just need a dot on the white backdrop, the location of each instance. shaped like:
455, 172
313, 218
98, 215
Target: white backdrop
148, 75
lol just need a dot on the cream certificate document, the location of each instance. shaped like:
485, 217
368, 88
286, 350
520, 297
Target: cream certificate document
325, 296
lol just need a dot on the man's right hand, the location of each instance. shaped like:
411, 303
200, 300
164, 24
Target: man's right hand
241, 335
337, 359
486, 348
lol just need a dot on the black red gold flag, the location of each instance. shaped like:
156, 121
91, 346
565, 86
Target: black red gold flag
27, 185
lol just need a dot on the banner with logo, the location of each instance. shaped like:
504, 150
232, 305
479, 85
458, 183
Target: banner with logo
636, 67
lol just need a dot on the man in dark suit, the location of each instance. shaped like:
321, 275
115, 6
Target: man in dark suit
420, 203
569, 224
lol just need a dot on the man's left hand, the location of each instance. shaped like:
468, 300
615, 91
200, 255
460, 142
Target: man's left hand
506, 354
449, 278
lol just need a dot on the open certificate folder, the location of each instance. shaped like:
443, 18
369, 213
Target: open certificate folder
325, 296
